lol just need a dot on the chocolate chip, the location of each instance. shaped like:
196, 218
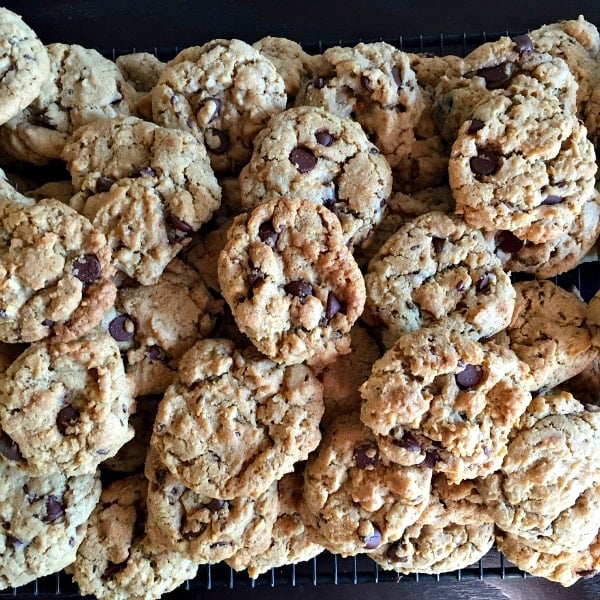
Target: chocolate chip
267, 234
409, 442
113, 569
303, 158
483, 283
300, 288
334, 306
366, 83
177, 228
256, 276
215, 505
523, 43
323, 137
460, 286
156, 353
144, 172
87, 268
438, 244
9, 448
319, 83
192, 535
3, 314
122, 328
212, 106
392, 553
366, 456
374, 540
497, 76
475, 126
216, 141
508, 242
16, 543
67, 416
55, 511
469, 377
103, 184
397, 75
552, 199
431, 458
486, 162
48, 323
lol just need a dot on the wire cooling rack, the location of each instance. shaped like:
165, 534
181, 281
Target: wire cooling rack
329, 569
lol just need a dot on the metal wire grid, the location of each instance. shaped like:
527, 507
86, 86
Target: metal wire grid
329, 569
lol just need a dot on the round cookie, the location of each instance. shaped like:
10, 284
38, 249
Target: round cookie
291, 539
546, 490
55, 270
374, 84
43, 521
203, 528
356, 499
64, 406
453, 532
291, 283
116, 558
441, 399
235, 421
524, 165
82, 86
548, 332
147, 187
309, 154
223, 93
436, 269
25, 65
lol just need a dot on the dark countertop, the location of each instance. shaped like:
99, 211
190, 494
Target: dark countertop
165, 24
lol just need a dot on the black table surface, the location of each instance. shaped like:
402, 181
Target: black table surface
165, 24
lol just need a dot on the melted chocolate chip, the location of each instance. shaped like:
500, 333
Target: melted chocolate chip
483, 283
256, 276
497, 76
475, 126
177, 228
67, 416
319, 83
366, 456
267, 234
552, 199
215, 505
156, 353
303, 158
144, 172
87, 268
366, 83
299, 288
469, 377
212, 107
113, 569
55, 511
103, 184
523, 43
431, 458
508, 242
397, 75
216, 141
323, 137
122, 328
438, 244
392, 553
486, 162
9, 448
16, 543
374, 540
409, 442
460, 286
334, 306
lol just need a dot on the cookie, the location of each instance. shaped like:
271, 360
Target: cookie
546, 490
82, 86
141, 69
355, 498
55, 271
437, 269
235, 421
342, 379
147, 187
223, 93
43, 521
291, 283
25, 65
116, 559
291, 540
453, 532
59, 190
202, 528
374, 84
548, 332
441, 399
308, 154
547, 259
64, 406
524, 165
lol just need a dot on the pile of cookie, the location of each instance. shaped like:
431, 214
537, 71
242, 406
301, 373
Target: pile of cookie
256, 304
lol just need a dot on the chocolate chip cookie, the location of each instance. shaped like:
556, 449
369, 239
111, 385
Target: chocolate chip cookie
291, 283
309, 154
